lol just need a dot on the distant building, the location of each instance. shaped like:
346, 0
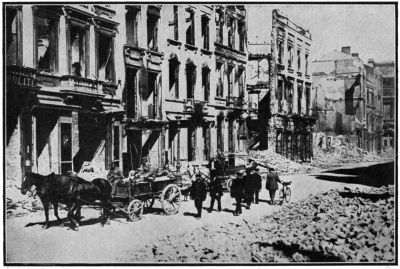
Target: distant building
389, 108
347, 102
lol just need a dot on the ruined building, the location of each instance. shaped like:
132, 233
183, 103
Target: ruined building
279, 82
88, 84
389, 109
348, 101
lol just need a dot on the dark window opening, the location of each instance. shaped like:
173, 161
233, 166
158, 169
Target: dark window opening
241, 84
131, 18
299, 97
207, 142
152, 32
131, 92
46, 46
12, 35
205, 32
219, 24
306, 64
206, 83
278, 142
66, 148
106, 58
191, 144
231, 141
242, 34
290, 54
190, 35
176, 23
231, 33
174, 78
116, 144
298, 59
308, 99
220, 80
152, 95
78, 51
220, 138
230, 81
190, 80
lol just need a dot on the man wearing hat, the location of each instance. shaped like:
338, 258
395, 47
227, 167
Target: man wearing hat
256, 180
272, 183
237, 192
198, 193
114, 176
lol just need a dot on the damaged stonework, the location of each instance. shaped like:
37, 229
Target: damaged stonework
347, 102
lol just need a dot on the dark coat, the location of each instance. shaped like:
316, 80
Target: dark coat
272, 181
237, 190
216, 189
198, 190
256, 180
247, 184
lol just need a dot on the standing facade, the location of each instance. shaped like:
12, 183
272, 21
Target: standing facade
203, 82
63, 88
91, 84
290, 94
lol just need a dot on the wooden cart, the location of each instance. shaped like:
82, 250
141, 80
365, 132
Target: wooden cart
133, 198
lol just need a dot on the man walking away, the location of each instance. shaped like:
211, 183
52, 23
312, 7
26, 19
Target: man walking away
198, 192
237, 192
272, 183
248, 187
256, 180
216, 192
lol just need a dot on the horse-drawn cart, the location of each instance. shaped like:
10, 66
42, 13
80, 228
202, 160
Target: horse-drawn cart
133, 198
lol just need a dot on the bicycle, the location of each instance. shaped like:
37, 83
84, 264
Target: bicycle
286, 193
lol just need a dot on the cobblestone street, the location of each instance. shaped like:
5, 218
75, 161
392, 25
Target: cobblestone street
116, 242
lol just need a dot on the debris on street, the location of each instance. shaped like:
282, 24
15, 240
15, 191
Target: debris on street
335, 226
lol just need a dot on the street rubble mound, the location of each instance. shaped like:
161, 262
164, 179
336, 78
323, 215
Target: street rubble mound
335, 226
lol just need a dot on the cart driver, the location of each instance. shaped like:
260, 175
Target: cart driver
114, 176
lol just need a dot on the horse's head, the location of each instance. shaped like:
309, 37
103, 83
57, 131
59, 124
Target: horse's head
27, 183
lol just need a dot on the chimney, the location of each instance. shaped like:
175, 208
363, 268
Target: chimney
346, 50
371, 61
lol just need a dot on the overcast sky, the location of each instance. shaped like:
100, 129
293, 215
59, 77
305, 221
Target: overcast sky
367, 29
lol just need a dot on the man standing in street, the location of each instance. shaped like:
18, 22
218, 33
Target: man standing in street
248, 187
237, 192
198, 192
256, 180
115, 176
216, 193
272, 183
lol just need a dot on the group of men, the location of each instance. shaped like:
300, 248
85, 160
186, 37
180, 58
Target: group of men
245, 188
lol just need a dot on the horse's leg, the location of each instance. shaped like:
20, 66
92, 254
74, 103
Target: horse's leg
55, 205
71, 216
45, 203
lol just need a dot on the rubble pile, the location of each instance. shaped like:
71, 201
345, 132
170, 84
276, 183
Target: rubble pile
336, 226
325, 158
282, 165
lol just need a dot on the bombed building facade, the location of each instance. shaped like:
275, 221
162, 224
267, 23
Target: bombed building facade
348, 102
91, 84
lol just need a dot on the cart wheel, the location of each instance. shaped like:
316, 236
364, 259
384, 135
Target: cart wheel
135, 210
288, 194
229, 184
148, 203
171, 199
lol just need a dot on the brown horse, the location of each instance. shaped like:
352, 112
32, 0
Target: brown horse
84, 192
50, 189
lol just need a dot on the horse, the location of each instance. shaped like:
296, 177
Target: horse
50, 189
84, 192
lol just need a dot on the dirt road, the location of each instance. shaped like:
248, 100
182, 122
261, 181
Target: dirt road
27, 242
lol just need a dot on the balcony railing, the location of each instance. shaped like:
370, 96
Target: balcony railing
80, 84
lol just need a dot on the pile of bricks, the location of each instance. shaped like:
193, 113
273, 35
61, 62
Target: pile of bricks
334, 226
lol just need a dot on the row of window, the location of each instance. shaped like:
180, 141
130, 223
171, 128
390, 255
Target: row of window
286, 93
191, 75
290, 57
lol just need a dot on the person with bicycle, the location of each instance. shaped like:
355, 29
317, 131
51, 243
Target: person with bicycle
272, 183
